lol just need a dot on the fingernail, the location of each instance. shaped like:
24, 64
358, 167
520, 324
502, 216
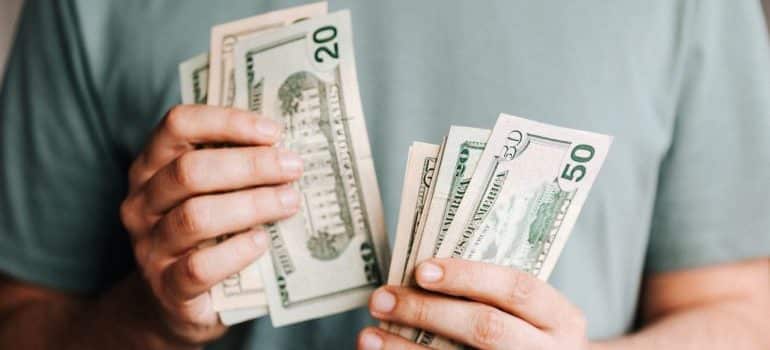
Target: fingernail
430, 272
383, 301
371, 341
268, 128
289, 198
260, 239
290, 162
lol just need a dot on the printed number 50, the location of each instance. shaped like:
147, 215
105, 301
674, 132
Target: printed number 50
324, 35
580, 154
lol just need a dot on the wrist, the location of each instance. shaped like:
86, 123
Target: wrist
139, 320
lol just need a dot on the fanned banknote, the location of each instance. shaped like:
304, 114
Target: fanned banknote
243, 290
408, 275
221, 88
193, 74
329, 257
525, 196
462, 150
193, 79
421, 167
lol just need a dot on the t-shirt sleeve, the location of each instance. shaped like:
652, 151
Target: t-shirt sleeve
713, 201
60, 180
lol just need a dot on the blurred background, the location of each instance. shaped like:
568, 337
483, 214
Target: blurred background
9, 11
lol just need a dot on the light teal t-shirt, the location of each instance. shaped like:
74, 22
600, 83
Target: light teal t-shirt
684, 86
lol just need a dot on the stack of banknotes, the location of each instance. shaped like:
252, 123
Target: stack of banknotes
297, 66
508, 196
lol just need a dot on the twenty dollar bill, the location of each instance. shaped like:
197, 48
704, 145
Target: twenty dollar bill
193, 75
221, 88
244, 290
330, 256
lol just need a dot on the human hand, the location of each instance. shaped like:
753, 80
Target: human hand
481, 305
180, 196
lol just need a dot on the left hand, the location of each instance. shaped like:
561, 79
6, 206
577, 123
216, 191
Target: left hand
481, 305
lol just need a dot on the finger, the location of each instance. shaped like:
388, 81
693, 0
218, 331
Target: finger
218, 170
513, 291
468, 322
376, 339
197, 272
201, 218
186, 126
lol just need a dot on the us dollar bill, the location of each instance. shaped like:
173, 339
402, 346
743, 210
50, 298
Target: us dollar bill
244, 289
193, 79
461, 152
525, 196
408, 270
330, 256
193, 75
240, 297
418, 180
221, 88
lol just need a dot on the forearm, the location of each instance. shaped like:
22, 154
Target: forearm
117, 320
733, 325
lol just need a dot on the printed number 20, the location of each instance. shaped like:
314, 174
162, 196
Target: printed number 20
580, 154
324, 35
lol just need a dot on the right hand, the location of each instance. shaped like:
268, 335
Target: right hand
180, 196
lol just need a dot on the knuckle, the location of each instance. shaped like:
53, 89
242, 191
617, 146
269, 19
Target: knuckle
127, 213
521, 286
269, 204
264, 158
260, 203
273, 158
420, 310
131, 216
191, 216
174, 122
246, 250
151, 266
142, 250
185, 171
488, 327
196, 270
135, 172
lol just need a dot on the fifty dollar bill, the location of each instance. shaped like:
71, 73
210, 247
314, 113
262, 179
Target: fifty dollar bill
525, 196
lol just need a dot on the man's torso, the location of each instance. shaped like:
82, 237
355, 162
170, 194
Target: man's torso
423, 66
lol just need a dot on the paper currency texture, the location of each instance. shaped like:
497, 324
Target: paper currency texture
330, 256
522, 203
418, 180
221, 88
